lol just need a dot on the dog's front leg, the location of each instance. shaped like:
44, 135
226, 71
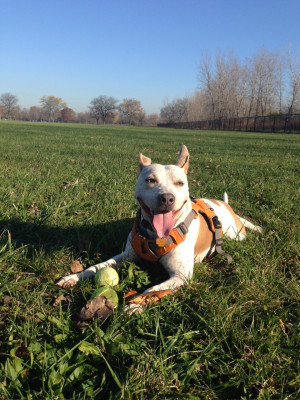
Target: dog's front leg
173, 283
71, 280
179, 264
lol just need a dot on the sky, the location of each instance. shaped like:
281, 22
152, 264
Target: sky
149, 50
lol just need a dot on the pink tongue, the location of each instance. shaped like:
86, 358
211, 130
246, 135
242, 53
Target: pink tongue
163, 223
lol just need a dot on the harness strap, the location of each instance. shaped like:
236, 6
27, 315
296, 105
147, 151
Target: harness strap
153, 249
219, 240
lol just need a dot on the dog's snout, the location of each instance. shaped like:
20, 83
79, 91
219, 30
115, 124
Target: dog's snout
167, 199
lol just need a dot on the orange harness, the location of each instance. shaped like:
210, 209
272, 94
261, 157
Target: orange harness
153, 249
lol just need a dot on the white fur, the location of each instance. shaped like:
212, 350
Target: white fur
225, 198
249, 225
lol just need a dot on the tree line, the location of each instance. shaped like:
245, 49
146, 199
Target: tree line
266, 84
103, 109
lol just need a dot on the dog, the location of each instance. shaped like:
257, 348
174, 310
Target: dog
171, 227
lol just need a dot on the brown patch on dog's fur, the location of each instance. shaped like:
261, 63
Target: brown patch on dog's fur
205, 237
240, 227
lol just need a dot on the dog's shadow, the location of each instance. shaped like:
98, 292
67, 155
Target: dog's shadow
98, 242
106, 238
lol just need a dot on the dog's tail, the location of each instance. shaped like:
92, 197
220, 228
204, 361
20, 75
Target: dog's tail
249, 225
225, 197
245, 222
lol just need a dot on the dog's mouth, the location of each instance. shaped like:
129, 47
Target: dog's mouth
161, 220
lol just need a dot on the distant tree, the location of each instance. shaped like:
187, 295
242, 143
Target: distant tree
262, 72
2, 111
197, 106
174, 111
152, 119
206, 79
67, 114
23, 114
51, 106
85, 118
112, 117
167, 113
9, 102
231, 89
141, 117
102, 107
35, 113
129, 110
294, 83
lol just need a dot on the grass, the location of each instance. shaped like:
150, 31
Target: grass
232, 333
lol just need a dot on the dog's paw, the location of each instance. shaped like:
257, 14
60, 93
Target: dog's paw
67, 281
258, 229
131, 309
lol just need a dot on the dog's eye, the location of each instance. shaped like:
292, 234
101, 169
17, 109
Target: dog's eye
179, 183
151, 180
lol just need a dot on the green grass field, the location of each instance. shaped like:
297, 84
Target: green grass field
67, 193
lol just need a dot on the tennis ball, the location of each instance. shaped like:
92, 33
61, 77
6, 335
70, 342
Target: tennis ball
106, 276
107, 292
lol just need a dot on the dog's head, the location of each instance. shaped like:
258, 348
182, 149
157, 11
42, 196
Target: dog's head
162, 192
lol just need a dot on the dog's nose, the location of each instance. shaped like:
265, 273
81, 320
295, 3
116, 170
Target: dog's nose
167, 199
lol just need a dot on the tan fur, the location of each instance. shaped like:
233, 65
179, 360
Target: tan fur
240, 227
205, 237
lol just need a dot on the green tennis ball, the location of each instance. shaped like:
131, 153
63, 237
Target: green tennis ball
107, 292
106, 276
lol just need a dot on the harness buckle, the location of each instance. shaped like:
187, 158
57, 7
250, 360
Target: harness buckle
219, 242
183, 228
161, 242
216, 222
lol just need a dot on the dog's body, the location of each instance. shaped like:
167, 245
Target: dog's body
163, 194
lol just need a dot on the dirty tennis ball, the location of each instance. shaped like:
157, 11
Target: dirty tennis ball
108, 293
106, 276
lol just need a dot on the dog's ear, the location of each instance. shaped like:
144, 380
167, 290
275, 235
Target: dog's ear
144, 161
183, 159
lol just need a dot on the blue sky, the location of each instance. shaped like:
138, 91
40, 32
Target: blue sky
144, 49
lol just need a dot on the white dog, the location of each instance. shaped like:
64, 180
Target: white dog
172, 228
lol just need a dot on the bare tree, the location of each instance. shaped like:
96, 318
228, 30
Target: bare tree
35, 113
224, 85
152, 119
205, 77
262, 78
294, 83
141, 117
2, 111
198, 108
232, 89
85, 118
167, 113
101, 107
180, 108
175, 111
9, 102
23, 114
280, 83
